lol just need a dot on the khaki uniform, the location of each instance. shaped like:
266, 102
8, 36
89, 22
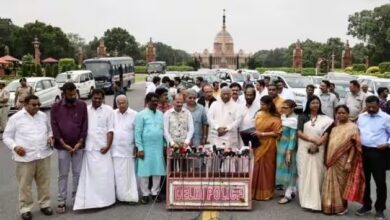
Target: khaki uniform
22, 93
4, 108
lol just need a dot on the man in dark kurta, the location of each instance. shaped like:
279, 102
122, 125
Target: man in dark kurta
69, 121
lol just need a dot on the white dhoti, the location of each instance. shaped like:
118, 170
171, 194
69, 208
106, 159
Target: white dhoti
125, 179
96, 187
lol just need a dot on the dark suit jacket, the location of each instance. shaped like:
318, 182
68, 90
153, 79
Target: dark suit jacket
202, 101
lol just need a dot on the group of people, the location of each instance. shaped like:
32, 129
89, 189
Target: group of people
326, 155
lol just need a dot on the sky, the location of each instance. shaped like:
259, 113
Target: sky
191, 25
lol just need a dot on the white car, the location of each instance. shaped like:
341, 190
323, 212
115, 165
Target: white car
230, 76
83, 79
374, 83
44, 87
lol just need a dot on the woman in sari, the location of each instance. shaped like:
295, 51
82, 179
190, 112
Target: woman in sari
313, 128
268, 129
344, 177
286, 171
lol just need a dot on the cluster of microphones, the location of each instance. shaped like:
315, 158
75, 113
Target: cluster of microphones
214, 151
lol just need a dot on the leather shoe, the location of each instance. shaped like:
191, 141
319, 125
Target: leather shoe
26, 216
47, 211
144, 200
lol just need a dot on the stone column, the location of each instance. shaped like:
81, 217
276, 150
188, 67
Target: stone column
297, 56
37, 52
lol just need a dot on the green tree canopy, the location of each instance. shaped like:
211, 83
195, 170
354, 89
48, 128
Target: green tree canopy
119, 39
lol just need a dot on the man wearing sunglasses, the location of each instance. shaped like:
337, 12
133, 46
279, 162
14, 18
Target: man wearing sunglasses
29, 136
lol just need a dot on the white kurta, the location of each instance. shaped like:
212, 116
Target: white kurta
226, 115
96, 187
122, 156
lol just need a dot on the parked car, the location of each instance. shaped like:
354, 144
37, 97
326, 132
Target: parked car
83, 79
254, 74
316, 80
230, 76
44, 87
294, 82
374, 83
339, 76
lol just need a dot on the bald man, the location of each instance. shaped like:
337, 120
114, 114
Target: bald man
224, 118
122, 151
178, 123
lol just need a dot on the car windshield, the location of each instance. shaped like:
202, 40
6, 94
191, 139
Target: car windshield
155, 67
98, 68
12, 86
210, 78
342, 88
64, 77
317, 81
236, 77
297, 82
385, 84
255, 75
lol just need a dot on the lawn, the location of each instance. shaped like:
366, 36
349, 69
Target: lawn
140, 77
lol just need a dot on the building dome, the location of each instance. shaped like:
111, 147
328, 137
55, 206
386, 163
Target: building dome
223, 37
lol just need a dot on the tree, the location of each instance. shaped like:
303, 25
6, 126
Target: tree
90, 50
7, 32
119, 39
372, 26
54, 42
359, 51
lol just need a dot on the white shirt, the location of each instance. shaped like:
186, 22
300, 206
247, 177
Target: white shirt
259, 94
287, 94
124, 140
248, 115
100, 122
187, 116
150, 87
196, 88
29, 132
226, 115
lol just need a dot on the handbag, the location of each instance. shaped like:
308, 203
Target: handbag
247, 136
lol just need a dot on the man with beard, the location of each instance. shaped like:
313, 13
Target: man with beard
97, 182
149, 139
249, 108
374, 128
69, 122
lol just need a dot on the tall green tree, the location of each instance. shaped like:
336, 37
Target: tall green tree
7, 35
373, 27
119, 39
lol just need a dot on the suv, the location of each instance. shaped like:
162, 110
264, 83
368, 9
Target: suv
230, 76
44, 87
83, 79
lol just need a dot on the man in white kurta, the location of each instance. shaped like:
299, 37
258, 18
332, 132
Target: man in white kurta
224, 118
249, 110
122, 151
96, 187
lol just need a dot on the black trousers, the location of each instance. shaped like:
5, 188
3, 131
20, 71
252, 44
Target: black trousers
374, 163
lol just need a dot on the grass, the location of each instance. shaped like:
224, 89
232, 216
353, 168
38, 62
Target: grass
140, 77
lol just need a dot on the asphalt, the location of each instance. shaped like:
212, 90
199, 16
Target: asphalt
121, 211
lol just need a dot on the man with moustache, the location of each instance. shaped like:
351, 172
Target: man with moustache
69, 122
96, 187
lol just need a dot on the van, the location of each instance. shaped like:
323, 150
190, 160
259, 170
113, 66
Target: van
83, 79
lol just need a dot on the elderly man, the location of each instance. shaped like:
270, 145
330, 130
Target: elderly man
22, 92
355, 100
207, 97
178, 124
28, 135
123, 151
69, 121
273, 92
224, 118
364, 87
329, 100
149, 139
249, 109
97, 184
374, 128
4, 108
199, 117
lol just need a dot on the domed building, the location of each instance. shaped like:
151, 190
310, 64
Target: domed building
223, 55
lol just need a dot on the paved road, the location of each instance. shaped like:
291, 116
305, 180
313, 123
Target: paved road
261, 210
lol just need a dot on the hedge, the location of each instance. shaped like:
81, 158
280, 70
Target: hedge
143, 69
372, 69
384, 67
358, 67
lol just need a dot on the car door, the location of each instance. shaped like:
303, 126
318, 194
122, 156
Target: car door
39, 91
48, 95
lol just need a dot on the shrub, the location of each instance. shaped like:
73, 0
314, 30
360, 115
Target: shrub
38, 70
348, 69
56, 70
384, 67
372, 69
359, 67
180, 68
28, 59
66, 64
25, 70
48, 70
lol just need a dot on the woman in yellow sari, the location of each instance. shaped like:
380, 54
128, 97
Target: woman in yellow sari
268, 130
344, 177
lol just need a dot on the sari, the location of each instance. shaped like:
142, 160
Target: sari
263, 183
311, 166
340, 185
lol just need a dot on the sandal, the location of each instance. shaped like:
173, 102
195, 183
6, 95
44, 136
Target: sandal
284, 200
